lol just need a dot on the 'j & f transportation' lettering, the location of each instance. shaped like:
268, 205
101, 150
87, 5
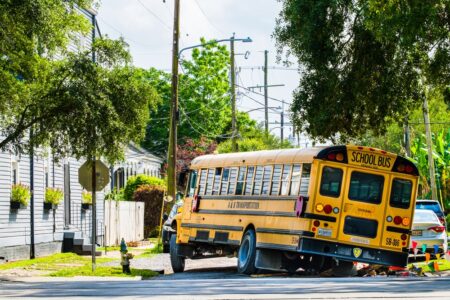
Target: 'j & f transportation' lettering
371, 159
247, 205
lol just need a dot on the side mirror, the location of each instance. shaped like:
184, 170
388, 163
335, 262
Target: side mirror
182, 178
165, 217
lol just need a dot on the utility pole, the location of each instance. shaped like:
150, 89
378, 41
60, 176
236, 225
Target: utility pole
426, 118
407, 137
94, 177
172, 153
282, 122
32, 244
266, 100
234, 146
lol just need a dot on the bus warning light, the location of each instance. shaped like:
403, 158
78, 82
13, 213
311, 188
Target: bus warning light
319, 207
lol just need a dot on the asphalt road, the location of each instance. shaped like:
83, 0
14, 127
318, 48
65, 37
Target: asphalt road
226, 284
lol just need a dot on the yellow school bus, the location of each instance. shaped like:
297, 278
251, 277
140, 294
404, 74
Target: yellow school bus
298, 208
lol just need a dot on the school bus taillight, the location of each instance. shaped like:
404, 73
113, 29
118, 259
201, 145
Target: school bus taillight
328, 209
398, 220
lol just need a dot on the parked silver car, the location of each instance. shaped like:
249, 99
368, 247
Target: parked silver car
428, 230
433, 205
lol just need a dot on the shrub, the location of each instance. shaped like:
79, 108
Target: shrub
135, 182
20, 193
86, 197
115, 195
153, 197
53, 195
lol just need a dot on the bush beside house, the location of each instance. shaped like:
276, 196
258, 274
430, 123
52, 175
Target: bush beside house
151, 191
134, 182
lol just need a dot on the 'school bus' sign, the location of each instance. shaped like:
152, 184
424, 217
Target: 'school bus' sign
372, 159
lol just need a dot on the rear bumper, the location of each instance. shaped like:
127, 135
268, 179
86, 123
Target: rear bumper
352, 253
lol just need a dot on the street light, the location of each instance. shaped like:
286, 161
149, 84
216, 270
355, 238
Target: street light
270, 107
232, 83
246, 40
176, 54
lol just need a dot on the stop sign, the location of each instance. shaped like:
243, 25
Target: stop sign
85, 175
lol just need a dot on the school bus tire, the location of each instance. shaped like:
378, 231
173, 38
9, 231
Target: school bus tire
344, 269
247, 253
176, 261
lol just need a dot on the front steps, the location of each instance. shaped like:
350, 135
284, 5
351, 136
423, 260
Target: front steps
74, 242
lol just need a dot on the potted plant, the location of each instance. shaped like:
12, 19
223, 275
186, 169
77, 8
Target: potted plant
53, 197
20, 195
86, 200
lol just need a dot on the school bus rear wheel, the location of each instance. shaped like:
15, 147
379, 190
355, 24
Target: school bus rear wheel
176, 260
247, 253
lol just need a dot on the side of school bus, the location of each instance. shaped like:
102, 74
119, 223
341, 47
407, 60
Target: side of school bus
285, 209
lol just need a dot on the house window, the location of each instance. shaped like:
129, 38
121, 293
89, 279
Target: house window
15, 172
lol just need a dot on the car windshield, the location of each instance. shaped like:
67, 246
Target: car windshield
424, 216
430, 206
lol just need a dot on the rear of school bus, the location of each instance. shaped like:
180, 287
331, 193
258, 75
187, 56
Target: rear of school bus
361, 205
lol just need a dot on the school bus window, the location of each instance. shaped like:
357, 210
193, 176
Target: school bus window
257, 182
330, 184
202, 185
192, 183
249, 180
266, 180
366, 187
240, 181
295, 180
209, 181
232, 184
304, 184
276, 178
217, 177
285, 180
225, 177
401, 193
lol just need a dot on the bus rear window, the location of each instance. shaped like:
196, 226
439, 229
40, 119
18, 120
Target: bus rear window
366, 187
401, 193
330, 184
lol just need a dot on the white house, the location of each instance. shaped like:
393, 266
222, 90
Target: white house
36, 231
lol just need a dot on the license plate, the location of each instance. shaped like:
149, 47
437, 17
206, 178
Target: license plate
324, 232
416, 232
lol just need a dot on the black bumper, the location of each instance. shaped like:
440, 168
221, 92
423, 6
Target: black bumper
350, 252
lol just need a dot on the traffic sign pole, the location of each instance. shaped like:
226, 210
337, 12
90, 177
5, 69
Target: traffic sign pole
94, 211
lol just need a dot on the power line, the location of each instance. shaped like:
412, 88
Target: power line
271, 98
156, 16
123, 35
207, 19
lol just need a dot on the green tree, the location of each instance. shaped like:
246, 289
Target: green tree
364, 64
78, 107
204, 102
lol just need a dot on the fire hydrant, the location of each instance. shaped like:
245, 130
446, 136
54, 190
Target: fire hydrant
125, 257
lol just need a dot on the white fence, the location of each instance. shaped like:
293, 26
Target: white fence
123, 219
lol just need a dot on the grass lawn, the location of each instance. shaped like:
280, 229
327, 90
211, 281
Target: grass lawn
150, 252
444, 265
70, 264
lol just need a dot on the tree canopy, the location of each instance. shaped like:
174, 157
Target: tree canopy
75, 105
363, 64
204, 102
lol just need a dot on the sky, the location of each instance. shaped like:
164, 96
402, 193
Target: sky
147, 26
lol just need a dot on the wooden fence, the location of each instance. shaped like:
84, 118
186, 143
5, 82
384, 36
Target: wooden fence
123, 219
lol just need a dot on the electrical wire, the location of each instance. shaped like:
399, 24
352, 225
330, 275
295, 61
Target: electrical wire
156, 16
271, 98
207, 19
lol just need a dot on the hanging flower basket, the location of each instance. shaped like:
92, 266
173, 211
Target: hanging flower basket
86, 206
20, 195
16, 205
53, 197
50, 206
